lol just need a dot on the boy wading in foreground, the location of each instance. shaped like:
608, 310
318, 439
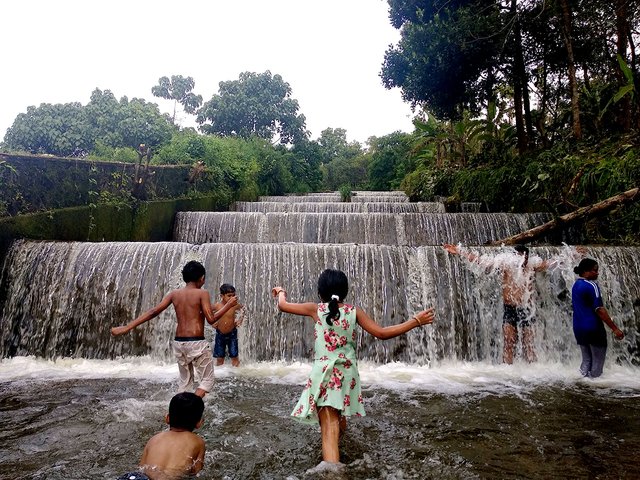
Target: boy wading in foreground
192, 305
178, 452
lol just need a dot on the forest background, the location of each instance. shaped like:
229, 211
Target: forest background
522, 106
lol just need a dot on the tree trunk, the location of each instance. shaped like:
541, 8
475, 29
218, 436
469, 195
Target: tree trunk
580, 214
565, 22
522, 78
623, 30
523, 140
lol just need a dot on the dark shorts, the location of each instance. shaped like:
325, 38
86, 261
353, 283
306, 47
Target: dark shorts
226, 341
517, 316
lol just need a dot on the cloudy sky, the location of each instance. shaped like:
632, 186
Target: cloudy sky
330, 52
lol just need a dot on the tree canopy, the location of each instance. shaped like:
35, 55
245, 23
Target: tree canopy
73, 129
179, 89
257, 104
548, 64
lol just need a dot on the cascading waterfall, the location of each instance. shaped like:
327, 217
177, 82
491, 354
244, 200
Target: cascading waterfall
64, 298
340, 207
411, 229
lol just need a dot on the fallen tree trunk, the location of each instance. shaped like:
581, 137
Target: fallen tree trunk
580, 214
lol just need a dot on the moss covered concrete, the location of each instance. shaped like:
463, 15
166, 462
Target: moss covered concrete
144, 222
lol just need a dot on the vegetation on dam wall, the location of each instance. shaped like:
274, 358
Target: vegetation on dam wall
36, 183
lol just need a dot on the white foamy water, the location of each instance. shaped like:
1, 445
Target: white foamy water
449, 378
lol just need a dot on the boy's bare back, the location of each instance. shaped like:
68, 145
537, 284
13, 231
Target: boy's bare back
172, 455
190, 305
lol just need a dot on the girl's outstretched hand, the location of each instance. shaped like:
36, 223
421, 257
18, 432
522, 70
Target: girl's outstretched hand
424, 317
275, 291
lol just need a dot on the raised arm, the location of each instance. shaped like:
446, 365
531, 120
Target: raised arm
420, 319
305, 309
145, 317
578, 253
454, 250
207, 308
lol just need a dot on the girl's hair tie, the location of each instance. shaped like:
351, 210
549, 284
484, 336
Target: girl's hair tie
335, 297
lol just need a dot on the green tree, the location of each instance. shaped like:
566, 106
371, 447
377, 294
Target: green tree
389, 160
179, 89
74, 129
57, 129
306, 172
350, 172
342, 162
334, 144
257, 104
126, 123
446, 54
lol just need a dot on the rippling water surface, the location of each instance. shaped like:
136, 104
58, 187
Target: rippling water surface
80, 419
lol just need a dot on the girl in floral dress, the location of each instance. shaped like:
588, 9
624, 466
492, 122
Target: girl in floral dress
332, 391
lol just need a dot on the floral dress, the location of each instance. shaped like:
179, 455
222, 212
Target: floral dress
334, 380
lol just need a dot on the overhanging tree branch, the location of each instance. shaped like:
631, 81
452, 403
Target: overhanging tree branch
563, 221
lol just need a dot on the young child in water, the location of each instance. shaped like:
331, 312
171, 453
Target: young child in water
177, 452
192, 305
227, 326
332, 391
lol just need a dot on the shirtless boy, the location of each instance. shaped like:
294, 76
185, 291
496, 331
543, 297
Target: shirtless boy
177, 452
226, 328
192, 305
517, 297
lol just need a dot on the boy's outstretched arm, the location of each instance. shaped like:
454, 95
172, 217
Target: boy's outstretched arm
454, 250
145, 317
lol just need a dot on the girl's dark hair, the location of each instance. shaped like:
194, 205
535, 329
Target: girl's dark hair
333, 282
585, 265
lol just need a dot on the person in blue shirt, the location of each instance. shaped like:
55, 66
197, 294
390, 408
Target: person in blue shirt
589, 317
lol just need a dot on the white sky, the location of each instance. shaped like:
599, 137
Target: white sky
330, 52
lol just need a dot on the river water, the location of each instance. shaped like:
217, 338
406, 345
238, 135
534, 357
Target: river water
76, 403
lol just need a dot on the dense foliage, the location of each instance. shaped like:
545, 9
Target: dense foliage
254, 105
551, 67
72, 129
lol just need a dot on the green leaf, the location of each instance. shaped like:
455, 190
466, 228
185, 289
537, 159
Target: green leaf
622, 92
628, 74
